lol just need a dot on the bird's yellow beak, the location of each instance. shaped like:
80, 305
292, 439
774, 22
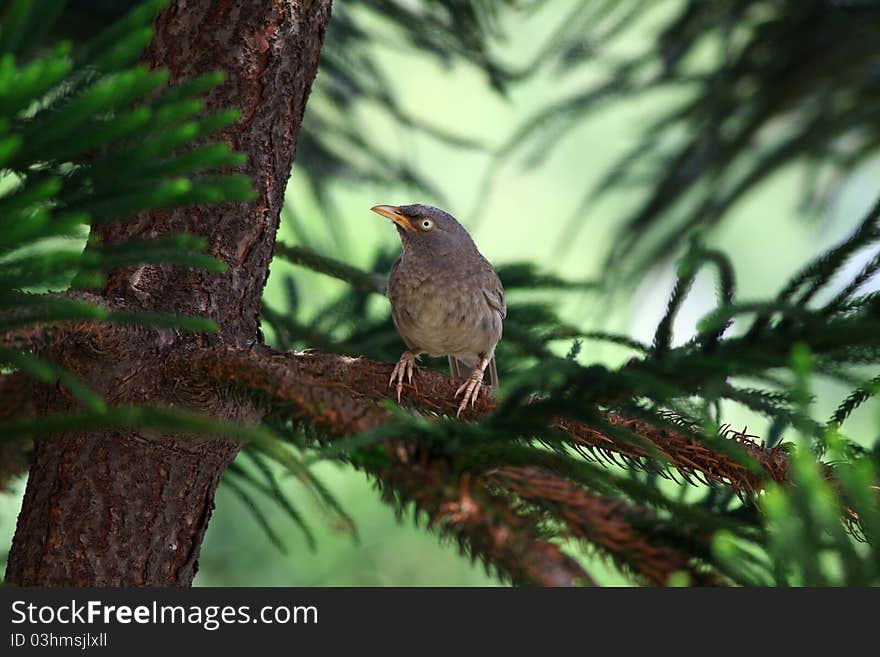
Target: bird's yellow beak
393, 213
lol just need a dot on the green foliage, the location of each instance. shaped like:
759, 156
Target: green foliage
753, 96
89, 135
807, 542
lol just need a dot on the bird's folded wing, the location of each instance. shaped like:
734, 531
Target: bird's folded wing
494, 294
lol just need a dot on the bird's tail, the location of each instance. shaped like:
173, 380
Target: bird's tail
461, 370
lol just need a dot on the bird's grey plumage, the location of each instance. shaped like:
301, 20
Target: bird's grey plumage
446, 299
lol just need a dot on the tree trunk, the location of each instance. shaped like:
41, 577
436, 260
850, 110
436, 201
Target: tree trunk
130, 507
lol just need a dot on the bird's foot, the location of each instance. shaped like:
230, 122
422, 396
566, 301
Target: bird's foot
471, 389
403, 369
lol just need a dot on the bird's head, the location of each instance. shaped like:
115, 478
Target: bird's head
424, 227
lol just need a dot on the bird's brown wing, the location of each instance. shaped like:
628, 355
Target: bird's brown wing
397, 311
494, 294
493, 290
495, 299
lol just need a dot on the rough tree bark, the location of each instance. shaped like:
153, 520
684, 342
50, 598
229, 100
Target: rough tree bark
127, 508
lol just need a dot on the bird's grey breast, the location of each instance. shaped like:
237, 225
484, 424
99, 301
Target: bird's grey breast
446, 307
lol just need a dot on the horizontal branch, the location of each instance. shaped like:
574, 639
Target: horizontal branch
630, 535
281, 376
485, 524
339, 394
690, 457
326, 387
357, 278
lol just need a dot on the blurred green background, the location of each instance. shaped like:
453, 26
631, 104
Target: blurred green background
524, 216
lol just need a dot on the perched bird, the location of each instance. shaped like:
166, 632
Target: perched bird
446, 299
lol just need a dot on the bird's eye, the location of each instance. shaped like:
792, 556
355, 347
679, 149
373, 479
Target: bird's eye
427, 224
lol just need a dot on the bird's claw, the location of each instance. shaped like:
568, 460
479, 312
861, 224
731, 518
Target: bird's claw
471, 388
403, 369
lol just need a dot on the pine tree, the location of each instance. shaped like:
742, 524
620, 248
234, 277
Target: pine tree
139, 242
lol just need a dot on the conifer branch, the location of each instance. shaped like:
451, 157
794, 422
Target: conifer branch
630, 535
357, 278
690, 457
329, 383
484, 524
339, 394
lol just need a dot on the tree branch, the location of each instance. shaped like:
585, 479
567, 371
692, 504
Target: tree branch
339, 394
357, 278
632, 536
690, 457
333, 391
